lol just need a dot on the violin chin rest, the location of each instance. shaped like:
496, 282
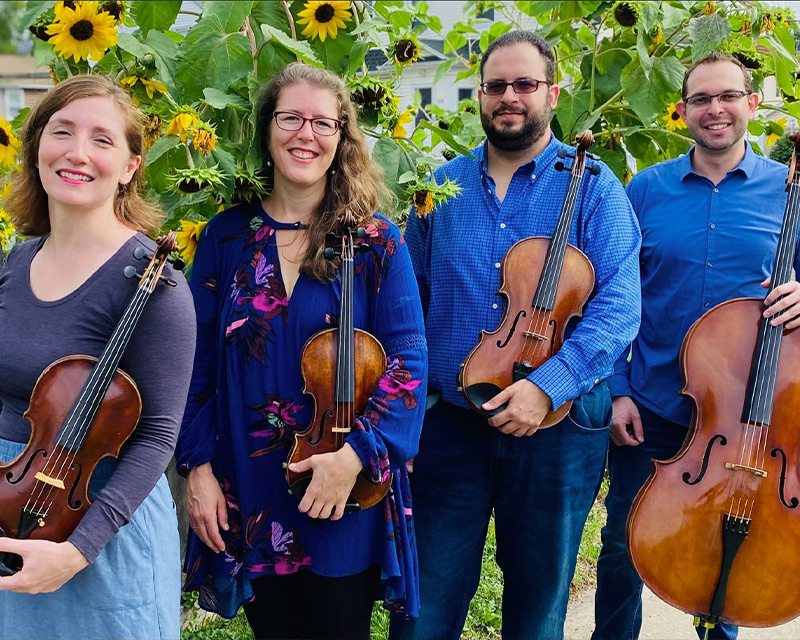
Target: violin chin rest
481, 392
298, 490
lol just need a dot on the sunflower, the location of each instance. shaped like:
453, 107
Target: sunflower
204, 138
673, 120
405, 118
152, 129
5, 191
188, 237
181, 123
115, 8
324, 19
6, 229
773, 137
82, 32
626, 13
150, 86
423, 201
627, 177
8, 144
405, 51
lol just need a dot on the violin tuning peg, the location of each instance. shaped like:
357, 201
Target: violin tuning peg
595, 169
362, 248
562, 153
168, 281
130, 272
139, 253
559, 166
361, 232
331, 237
330, 253
177, 263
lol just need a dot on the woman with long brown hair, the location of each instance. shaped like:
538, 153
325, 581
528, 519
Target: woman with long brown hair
262, 287
78, 199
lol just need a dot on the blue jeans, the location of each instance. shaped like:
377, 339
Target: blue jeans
618, 601
540, 489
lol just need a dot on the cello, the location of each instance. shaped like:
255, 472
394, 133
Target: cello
545, 282
82, 410
341, 368
715, 530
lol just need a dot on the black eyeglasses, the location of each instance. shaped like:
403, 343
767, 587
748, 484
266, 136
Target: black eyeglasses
726, 97
289, 121
498, 87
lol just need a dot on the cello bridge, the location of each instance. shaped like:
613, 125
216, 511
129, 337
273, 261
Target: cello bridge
762, 473
533, 334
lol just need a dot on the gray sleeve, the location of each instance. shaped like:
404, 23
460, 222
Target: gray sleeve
159, 359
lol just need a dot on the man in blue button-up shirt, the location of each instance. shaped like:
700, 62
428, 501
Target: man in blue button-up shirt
710, 222
540, 484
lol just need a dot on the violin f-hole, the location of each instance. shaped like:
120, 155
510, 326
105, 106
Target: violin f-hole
27, 467
520, 314
686, 476
71, 501
791, 504
325, 415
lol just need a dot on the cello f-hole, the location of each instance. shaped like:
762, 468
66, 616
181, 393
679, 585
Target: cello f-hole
686, 476
791, 504
520, 314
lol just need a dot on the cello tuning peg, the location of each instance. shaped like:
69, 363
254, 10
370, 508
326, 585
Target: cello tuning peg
559, 166
139, 253
130, 272
330, 253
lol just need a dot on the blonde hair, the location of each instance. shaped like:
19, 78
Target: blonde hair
356, 186
27, 203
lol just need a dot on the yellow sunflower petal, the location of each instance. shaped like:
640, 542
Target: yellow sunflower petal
82, 32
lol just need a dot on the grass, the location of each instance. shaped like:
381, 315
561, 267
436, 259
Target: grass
483, 619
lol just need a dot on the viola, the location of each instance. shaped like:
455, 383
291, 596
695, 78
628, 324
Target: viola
341, 368
82, 410
715, 530
546, 282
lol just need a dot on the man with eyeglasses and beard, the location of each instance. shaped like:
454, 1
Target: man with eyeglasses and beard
540, 485
710, 222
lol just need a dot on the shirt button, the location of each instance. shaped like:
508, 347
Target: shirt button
502, 225
705, 304
708, 264
533, 177
713, 226
716, 190
494, 306
496, 265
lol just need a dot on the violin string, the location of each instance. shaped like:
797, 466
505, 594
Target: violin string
71, 432
543, 318
341, 349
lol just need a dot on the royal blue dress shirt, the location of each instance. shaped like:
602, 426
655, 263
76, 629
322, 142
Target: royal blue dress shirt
702, 244
457, 250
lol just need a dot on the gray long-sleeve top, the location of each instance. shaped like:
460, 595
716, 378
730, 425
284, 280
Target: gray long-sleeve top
34, 333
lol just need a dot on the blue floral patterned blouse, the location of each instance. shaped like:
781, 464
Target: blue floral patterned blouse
246, 403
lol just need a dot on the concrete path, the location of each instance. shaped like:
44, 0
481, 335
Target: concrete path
660, 621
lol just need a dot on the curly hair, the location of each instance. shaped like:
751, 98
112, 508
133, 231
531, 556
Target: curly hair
27, 203
355, 191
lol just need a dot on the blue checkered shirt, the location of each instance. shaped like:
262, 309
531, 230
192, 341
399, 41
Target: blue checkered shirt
457, 250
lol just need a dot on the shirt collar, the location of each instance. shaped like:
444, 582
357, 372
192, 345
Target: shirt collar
542, 160
746, 166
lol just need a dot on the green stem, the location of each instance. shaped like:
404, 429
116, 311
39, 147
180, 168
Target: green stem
289, 17
188, 154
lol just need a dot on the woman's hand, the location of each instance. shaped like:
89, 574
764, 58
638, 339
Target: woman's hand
333, 477
206, 507
46, 566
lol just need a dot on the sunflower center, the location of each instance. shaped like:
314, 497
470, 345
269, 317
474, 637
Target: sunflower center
82, 30
4, 139
324, 13
675, 115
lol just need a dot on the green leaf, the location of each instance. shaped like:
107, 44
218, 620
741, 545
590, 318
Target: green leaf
231, 14
577, 9
644, 57
446, 136
154, 15
673, 16
707, 33
784, 36
161, 146
357, 55
784, 72
334, 52
301, 49
607, 82
648, 15
537, 8
32, 11
219, 99
369, 25
43, 53
229, 61
166, 52
128, 43
649, 97
443, 68
571, 109
389, 156
400, 20
756, 127
614, 158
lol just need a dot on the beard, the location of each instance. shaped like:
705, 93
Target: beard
509, 139
735, 134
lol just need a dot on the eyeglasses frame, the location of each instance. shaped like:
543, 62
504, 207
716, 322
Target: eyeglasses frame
339, 123
482, 85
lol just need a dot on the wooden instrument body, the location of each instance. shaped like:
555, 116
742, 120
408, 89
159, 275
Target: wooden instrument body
54, 394
493, 358
318, 364
674, 526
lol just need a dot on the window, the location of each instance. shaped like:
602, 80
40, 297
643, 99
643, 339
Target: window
426, 97
12, 100
465, 93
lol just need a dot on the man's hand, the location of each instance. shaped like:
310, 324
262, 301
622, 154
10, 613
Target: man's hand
46, 566
333, 477
789, 304
527, 407
206, 507
626, 424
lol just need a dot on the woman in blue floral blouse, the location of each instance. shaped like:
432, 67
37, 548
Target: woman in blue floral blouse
262, 287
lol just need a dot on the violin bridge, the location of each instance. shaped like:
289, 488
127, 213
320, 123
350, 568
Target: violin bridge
58, 484
742, 467
340, 429
531, 334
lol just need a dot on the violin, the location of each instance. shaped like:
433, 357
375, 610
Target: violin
715, 530
82, 410
341, 368
545, 282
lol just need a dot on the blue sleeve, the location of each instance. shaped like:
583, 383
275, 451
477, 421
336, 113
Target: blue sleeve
418, 239
197, 442
611, 318
387, 435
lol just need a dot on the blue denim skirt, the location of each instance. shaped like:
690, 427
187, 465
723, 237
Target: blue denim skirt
132, 590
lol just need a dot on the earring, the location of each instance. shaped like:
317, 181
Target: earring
332, 171
269, 163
